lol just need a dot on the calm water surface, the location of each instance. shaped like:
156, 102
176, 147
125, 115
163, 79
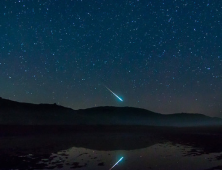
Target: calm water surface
156, 157
156, 150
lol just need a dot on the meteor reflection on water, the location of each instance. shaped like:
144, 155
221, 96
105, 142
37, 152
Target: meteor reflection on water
116, 163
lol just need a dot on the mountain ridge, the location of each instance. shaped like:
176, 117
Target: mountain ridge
19, 113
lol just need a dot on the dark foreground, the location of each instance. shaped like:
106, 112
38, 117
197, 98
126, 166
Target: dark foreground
32, 147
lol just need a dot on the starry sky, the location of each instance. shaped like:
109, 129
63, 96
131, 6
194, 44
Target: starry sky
161, 55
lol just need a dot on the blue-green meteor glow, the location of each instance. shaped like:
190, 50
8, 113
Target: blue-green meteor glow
114, 94
116, 163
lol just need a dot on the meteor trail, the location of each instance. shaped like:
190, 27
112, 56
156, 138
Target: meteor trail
114, 94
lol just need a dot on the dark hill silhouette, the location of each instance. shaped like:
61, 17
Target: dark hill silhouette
16, 113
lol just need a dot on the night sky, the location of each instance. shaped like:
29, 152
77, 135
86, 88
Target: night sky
161, 55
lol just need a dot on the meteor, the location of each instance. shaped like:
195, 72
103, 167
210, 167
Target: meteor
114, 94
116, 163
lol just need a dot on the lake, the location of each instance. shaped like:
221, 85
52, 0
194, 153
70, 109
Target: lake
87, 149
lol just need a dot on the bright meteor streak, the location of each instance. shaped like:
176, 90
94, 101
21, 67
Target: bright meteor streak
116, 163
114, 94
